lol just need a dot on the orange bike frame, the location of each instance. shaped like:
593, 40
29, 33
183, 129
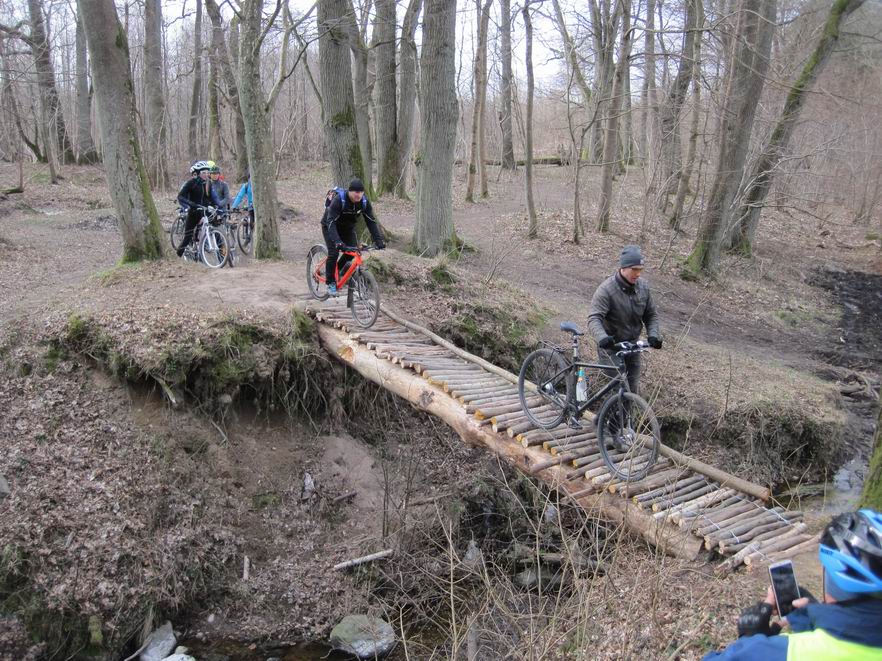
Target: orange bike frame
354, 264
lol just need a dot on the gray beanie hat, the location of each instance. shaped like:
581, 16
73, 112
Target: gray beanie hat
631, 256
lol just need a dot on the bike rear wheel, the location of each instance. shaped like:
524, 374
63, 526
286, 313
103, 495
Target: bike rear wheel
365, 305
629, 436
316, 259
545, 401
214, 249
245, 235
176, 233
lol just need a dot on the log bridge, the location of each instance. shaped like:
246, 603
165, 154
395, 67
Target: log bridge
684, 507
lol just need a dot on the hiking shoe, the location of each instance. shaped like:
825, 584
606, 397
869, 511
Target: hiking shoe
332, 289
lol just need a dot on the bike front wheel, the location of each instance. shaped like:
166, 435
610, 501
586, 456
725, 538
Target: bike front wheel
214, 249
365, 298
176, 233
543, 387
316, 259
629, 436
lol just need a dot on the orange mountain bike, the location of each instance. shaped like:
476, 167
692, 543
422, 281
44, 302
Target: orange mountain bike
363, 295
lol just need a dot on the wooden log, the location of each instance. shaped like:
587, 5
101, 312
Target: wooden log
748, 511
776, 545
539, 436
520, 415
688, 518
706, 523
617, 487
654, 480
724, 478
664, 500
647, 498
451, 373
566, 447
673, 500
770, 531
482, 396
555, 461
733, 544
363, 559
426, 397
467, 381
437, 339
696, 503
811, 544
746, 526
501, 409
519, 428
569, 440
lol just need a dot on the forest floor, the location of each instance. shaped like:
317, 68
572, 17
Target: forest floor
120, 496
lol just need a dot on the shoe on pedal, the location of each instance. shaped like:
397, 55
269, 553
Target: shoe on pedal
573, 423
332, 289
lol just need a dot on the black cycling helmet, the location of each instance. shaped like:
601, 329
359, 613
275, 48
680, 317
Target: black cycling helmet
851, 552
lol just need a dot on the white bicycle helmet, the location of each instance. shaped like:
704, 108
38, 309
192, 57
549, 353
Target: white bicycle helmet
199, 165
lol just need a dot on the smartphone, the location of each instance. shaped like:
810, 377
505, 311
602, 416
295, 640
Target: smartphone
784, 585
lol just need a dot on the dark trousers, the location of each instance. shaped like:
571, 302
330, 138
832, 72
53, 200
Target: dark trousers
193, 218
632, 365
347, 236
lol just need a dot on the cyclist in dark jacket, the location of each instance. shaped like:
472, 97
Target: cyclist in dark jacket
847, 625
338, 226
220, 188
622, 305
195, 193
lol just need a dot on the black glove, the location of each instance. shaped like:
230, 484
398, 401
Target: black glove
381, 245
755, 620
607, 342
339, 245
654, 342
803, 592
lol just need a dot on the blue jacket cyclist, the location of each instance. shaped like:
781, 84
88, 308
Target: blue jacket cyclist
847, 625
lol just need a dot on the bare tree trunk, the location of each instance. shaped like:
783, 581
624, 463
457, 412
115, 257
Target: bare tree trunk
39, 43
406, 97
648, 93
754, 37
257, 135
760, 180
196, 98
686, 170
157, 168
85, 147
480, 90
610, 143
439, 110
508, 159
626, 142
338, 105
126, 177
214, 127
223, 55
533, 223
604, 21
362, 93
670, 110
386, 100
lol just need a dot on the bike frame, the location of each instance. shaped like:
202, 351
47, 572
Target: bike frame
356, 262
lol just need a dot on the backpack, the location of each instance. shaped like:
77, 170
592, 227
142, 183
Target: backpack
341, 193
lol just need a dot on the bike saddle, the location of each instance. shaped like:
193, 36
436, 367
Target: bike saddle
570, 327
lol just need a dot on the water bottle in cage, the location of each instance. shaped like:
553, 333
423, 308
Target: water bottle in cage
581, 386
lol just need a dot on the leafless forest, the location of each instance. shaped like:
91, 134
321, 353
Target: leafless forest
716, 110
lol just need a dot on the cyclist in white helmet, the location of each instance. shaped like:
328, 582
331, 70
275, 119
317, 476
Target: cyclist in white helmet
195, 193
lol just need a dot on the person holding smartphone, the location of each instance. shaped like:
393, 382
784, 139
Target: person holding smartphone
848, 622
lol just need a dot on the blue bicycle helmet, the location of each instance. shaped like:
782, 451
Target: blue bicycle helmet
851, 552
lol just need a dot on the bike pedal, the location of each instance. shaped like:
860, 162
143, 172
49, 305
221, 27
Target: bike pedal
572, 423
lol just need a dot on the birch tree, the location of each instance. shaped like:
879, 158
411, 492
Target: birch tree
439, 110
126, 177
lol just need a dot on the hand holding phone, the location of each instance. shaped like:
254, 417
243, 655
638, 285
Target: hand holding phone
784, 586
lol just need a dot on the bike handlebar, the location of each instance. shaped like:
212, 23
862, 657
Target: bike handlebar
628, 348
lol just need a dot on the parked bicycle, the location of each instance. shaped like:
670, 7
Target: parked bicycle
244, 229
211, 245
176, 232
554, 388
363, 295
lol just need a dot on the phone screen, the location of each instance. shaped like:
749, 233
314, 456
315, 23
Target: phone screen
784, 586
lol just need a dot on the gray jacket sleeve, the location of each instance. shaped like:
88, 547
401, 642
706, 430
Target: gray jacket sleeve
597, 313
650, 317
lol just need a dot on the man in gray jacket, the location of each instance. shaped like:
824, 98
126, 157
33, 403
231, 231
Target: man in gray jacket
620, 308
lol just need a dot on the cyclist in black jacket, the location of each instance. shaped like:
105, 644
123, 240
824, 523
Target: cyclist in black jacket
338, 226
196, 192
